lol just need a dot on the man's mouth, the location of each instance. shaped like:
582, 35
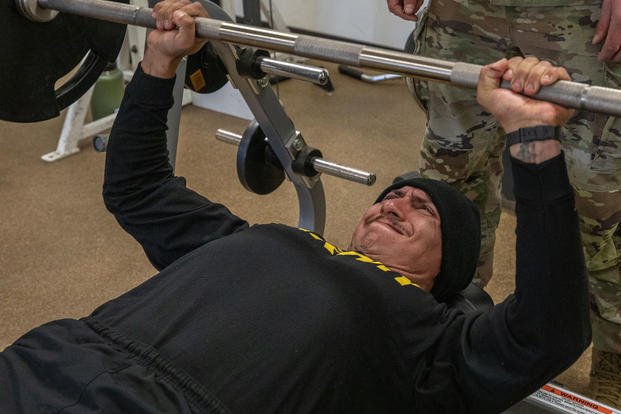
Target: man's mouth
391, 224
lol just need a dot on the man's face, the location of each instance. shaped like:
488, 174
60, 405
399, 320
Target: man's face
403, 232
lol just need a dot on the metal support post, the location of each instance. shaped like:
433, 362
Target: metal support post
174, 114
280, 131
72, 131
252, 12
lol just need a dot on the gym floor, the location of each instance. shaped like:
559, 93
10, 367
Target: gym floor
62, 254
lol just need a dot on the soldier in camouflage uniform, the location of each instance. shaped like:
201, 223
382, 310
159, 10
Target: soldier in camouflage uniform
463, 144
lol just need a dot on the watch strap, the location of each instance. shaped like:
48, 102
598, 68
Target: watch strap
535, 133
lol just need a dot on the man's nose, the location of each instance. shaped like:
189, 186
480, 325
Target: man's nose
395, 206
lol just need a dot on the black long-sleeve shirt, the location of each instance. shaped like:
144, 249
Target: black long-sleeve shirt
270, 318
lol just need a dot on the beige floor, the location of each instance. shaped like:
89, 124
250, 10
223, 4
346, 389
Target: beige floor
62, 254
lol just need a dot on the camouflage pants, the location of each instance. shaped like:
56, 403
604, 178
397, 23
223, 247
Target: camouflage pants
463, 145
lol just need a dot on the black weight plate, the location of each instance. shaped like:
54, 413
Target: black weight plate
215, 11
257, 168
35, 56
205, 73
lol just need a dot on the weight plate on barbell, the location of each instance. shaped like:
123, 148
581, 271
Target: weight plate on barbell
258, 169
47, 66
205, 72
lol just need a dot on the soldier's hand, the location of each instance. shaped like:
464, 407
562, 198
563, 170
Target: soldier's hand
406, 9
513, 109
608, 31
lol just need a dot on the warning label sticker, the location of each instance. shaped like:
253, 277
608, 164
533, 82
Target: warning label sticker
568, 402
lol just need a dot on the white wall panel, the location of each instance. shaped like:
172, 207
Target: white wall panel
366, 21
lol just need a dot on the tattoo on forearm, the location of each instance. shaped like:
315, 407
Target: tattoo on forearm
526, 152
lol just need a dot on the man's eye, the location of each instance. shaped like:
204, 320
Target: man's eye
428, 210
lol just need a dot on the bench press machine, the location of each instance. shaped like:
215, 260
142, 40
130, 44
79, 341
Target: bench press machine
271, 147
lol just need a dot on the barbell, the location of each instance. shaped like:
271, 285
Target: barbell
45, 39
567, 93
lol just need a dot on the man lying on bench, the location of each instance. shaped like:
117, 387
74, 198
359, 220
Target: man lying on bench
270, 318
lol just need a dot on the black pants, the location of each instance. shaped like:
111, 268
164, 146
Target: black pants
71, 366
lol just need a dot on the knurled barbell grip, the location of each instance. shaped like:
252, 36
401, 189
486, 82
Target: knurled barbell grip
104, 10
308, 46
328, 49
319, 164
571, 94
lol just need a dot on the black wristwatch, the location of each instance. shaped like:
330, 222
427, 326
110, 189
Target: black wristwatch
536, 133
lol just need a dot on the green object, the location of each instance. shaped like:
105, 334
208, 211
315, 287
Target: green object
108, 92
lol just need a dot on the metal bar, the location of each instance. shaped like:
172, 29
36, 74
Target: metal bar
104, 10
275, 124
380, 78
342, 171
571, 94
358, 74
227, 136
319, 76
319, 164
174, 115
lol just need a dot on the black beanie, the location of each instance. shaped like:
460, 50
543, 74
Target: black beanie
461, 234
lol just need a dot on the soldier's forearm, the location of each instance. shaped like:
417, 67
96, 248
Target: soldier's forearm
535, 152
